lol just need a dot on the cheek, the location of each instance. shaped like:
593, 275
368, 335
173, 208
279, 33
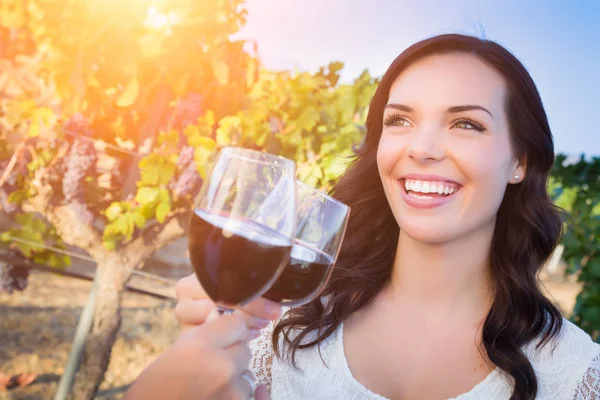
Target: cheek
389, 152
487, 168
493, 164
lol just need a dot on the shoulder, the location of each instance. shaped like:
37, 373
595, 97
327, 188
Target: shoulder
571, 346
563, 363
571, 343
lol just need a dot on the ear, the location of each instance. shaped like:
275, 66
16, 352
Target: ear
519, 169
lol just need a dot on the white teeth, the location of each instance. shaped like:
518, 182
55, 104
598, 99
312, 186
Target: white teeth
428, 187
417, 196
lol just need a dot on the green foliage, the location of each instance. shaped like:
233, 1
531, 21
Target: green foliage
306, 117
123, 219
39, 117
20, 195
310, 118
156, 170
31, 228
27, 100
581, 197
105, 55
152, 201
199, 136
119, 64
41, 156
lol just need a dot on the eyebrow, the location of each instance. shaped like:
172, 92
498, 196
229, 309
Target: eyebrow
451, 110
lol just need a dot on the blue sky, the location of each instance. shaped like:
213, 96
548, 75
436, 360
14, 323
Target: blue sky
558, 41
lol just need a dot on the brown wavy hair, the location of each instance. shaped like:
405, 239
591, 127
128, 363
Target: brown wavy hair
528, 227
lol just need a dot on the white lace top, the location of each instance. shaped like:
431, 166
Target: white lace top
569, 370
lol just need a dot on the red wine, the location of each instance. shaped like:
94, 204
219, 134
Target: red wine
235, 260
303, 277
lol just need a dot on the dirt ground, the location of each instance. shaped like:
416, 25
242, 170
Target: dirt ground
38, 324
37, 327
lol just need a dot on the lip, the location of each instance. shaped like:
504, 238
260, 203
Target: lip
425, 203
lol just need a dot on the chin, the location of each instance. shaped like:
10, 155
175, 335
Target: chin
436, 234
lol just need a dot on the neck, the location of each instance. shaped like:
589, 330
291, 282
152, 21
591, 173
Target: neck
445, 278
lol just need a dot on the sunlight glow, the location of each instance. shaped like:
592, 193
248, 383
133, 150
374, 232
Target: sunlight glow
160, 21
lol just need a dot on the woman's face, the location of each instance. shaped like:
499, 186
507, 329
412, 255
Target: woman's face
445, 156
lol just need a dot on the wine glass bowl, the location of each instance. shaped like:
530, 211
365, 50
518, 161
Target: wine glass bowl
242, 226
321, 226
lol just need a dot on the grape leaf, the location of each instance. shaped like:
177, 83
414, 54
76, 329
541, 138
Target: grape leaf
138, 219
130, 94
113, 211
110, 242
147, 194
164, 196
162, 211
156, 169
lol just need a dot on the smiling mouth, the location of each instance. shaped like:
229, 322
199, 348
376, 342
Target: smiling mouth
429, 190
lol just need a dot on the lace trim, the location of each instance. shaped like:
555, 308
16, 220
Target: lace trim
589, 387
262, 356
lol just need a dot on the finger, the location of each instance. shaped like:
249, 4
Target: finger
234, 391
262, 393
263, 308
227, 366
241, 355
190, 288
251, 321
214, 314
244, 386
224, 331
254, 324
190, 313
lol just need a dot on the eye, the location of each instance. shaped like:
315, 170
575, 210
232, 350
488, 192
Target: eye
466, 123
395, 120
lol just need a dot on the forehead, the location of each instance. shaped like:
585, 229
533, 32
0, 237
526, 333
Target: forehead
448, 80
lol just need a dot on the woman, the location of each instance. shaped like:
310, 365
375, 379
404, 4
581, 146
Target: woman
435, 293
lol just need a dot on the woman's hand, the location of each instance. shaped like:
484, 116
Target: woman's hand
193, 307
208, 361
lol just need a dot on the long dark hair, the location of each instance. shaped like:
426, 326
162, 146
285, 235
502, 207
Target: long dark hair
527, 230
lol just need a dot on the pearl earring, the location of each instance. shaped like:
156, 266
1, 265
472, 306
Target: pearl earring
517, 177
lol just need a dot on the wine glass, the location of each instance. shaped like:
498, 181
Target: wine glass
321, 226
242, 228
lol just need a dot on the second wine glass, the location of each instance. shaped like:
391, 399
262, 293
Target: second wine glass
321, 226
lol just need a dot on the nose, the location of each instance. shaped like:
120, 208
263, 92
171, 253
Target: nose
426, 146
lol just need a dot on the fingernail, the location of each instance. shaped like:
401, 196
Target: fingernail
253, 333
262, 323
